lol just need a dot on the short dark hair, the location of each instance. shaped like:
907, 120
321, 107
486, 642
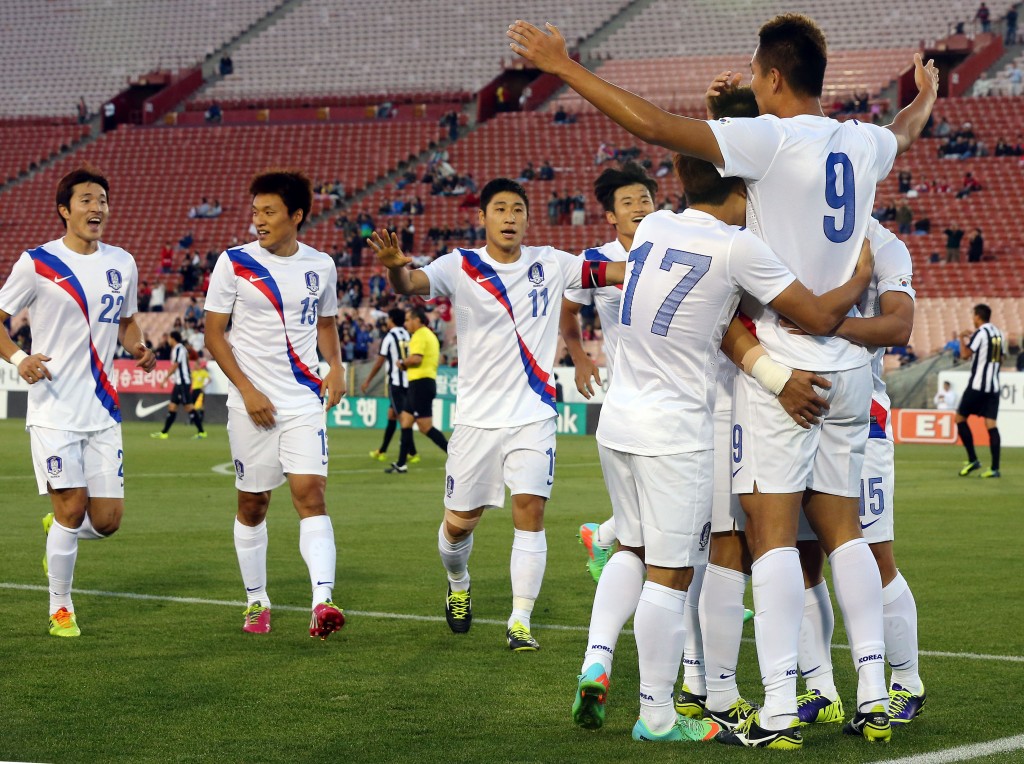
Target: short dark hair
795, 45
397, 316
294, 188
420, 314
66, 188
701, 182
614, 178
176, 336
983, 311
734, 102
498, 185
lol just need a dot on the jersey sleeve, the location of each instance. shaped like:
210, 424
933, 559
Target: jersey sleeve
748, 145
329, 294
220, 298
131, 297
757, 269
580, 296
884, 142
572, 270
443, 273
894, 270
19, 291
977, 340
385, 345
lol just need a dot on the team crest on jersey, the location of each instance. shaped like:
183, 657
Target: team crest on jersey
536, 273
705, 537
54, 466
239, 469
312, 282
449, 486
114, 280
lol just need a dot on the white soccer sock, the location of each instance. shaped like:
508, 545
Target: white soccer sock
721, 622
778, 604
693, 647
87, 532
815, 656
859, 594
316, 544
899, 621
251, 547
61, 553
605, 535
659, 629
615, 600
455, 558
529, 558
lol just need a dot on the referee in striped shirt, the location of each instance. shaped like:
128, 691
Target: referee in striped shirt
981, 398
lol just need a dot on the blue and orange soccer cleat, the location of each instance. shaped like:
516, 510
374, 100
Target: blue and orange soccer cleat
685, 730
597, 556
591, 693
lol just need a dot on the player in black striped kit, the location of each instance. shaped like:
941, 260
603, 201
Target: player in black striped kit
181, 393
394, 348
981, 398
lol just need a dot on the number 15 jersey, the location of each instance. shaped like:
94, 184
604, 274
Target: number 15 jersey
274, 303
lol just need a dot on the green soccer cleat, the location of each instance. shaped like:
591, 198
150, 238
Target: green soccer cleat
597, 556
47, 524
159, 435
520, 640
748, 615
414, 459
591, 693
814, 708
991, 474
734, 716
873, 725
750, 734
200, 436
685, 730
690, 705
969, 467
63, 624
380, 456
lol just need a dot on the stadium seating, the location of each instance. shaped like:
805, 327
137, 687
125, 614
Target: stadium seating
25, 145
53, 53
937, 318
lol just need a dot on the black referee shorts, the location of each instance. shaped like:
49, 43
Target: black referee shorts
420, 400
975, 403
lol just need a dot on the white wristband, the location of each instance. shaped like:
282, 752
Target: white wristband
17, 357
770, 375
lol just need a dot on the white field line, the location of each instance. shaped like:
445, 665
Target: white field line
962, 752
432, 619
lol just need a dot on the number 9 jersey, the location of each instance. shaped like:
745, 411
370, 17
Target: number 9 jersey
274, 303
76, 303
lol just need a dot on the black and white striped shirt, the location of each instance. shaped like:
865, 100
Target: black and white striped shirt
987, 346
394, 348
181, 374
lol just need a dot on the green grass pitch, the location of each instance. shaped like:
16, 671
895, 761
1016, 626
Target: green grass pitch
159, 680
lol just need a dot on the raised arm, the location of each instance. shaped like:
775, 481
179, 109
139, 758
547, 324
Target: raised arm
546, 51
909, 123
389, 254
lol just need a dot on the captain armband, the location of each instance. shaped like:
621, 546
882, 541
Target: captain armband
594, 274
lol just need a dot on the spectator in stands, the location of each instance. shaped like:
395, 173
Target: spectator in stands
904, 217
450, 121
604, 153
193, 313
407, 232
883, 212
163, 350
527, 174
904, 181
945, 399
186, 241
1014, 79
189, 274
909, 356
546, 172
922, 227
983, 86
664, 166
362, 338
943, 129
1011, 27
579, 209
524, 97
1002, 148
386, 110
214, 115
954, 235
226, 66
378, 285
975, 246
157, 298
83, 111
417, 207
953, 346
553, 203
969, 186
983, 16
561, 118
145, 293
166, 258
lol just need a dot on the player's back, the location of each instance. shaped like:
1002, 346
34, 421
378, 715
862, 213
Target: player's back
682, 288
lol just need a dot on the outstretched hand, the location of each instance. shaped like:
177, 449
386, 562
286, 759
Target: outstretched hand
926, 76
544, 49
385, 245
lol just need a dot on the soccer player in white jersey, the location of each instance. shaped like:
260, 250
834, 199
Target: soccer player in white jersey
981, 398
394, 348
811, 181
887, 318
281, 298
626, 195
507, 298
81, 296
181, 392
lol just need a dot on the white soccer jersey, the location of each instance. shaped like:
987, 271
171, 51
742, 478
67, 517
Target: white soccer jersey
683, 285
275, 303
181, 374
506, 316
811, 187
76, 303
605, 299
395, 347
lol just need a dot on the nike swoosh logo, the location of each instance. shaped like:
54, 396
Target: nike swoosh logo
144, 411
324, 462
805, 673
480, 280
737, 471
61, 279
865, 527
254, 589
253, 279
899, 665
324, 583
727, 676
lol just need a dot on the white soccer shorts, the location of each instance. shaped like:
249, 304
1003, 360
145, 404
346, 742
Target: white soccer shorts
779, 456
91, 460
878, 485
662, 503
726, 512
481, 462
295, 445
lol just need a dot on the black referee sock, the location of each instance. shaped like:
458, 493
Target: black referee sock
405, 443
389, 432
439, 439
994, 444
197, 419
170, 420
968, 440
